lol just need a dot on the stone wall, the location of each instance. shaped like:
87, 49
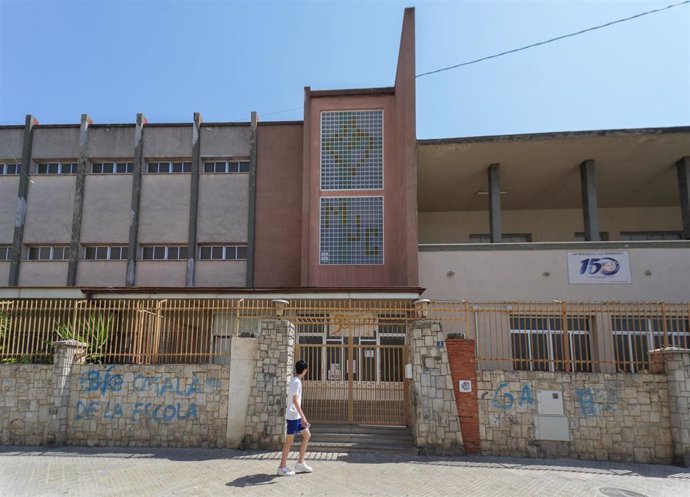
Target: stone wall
27, 411
265, 420
621, 417
151, 406
436, 426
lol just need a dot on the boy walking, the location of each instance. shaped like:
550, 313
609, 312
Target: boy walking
296, 423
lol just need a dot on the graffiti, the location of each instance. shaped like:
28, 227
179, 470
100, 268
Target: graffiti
174, 393
595, 402
505, 400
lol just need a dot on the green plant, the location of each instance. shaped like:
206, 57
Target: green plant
94, 331
5, 322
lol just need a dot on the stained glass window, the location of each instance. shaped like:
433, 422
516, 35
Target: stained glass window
351, 230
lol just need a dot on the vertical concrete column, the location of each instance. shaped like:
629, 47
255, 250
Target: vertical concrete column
22, 199
495, 232
243, 355
675, 363
463, 368
78, 208
435, 421
265, 418
683, 166
590, 209
251, 224
194, 198
136, 200
67, 353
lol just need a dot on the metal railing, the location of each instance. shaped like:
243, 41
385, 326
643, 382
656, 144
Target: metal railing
555, 336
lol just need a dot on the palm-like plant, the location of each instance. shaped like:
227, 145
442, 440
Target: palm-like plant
4, 327
94, 331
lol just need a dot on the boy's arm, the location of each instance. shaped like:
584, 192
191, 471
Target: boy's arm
299, 410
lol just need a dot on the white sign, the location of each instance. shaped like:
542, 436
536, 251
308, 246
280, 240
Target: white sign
465, 386
598, 267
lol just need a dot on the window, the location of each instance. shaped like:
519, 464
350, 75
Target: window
112, 167
351, 230
223, 252
56, 167
224, 166
635, 336
164, 252
105, 253
5, 252
9, 169
650, 235
505, 238
352, 150
168, 167
538, 344
580, 236
48, 253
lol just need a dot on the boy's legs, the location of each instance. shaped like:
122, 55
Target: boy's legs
306, 435
289, 439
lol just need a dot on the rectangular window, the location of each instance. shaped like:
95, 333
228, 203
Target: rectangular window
48, 253
223, 252
505, 238
539, 344
351, 230
56, 167
580, 236
9, 169
169, 167
5, 252
105, 253
112, 167
352, 150
226, 166
635, 336
164, 252
650, 235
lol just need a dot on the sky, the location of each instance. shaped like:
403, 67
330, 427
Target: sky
169, 59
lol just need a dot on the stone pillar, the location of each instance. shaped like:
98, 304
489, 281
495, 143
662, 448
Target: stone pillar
78, 209
435, 421
463, 368
242, 365
675, 363
590, 210
495, 229
265, 419
136, 200
67, 353
194, 199
251, 211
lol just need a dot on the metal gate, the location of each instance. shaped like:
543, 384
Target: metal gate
356, 371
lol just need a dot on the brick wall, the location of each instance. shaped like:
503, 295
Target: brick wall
463, 366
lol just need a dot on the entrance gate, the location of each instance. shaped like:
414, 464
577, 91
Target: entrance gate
356, 370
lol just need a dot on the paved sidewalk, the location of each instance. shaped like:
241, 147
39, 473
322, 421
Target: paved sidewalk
92, 472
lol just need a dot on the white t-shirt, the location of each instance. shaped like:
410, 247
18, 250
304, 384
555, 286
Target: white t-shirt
295, 388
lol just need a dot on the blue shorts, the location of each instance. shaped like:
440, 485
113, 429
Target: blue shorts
294, 426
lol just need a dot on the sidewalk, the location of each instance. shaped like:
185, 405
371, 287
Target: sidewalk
96, 472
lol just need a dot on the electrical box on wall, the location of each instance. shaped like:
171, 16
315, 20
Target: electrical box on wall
551, 423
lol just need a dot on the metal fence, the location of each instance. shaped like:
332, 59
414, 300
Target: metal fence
555, 336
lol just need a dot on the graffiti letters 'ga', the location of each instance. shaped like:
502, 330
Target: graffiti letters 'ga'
505, 400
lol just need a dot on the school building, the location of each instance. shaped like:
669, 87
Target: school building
493, 294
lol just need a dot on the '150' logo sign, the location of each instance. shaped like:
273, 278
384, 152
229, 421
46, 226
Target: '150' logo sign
605, 266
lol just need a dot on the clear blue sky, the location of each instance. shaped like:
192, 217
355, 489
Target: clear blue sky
168, 59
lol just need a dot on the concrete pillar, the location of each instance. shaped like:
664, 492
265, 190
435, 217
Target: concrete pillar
251, 225
683, 166
590, 210
194, 198
675, 363
434, 416
78, 208
22, 199
67, 353
243, 352
136, 200
265, 418
494, 204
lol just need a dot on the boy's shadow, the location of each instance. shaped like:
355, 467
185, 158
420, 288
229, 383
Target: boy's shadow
253, 480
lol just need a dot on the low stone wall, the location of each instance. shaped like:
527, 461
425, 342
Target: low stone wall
27, 410
151, 406
621, 417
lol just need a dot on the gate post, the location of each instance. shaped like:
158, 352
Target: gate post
434, 417
265, 419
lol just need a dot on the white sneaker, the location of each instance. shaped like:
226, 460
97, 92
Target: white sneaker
301, 467
285, 471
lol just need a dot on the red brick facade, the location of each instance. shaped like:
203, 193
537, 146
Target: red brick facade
463, 366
